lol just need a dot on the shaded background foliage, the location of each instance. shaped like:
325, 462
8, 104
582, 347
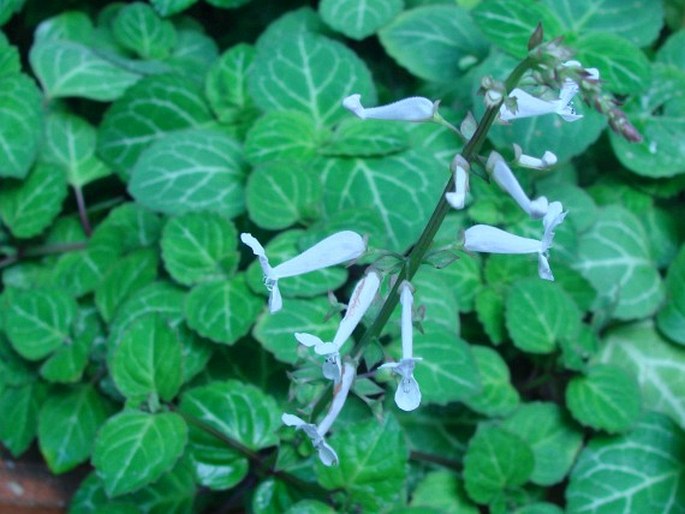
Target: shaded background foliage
137, 140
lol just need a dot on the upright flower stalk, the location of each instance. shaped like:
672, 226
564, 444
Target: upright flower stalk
335, 249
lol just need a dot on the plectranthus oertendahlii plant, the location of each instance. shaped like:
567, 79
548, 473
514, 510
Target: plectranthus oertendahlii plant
549, 65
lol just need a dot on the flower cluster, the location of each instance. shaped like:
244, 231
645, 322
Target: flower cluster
348, 246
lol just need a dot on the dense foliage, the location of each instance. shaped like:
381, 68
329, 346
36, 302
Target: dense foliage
139, 140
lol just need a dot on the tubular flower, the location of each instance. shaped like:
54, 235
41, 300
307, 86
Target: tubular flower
335, 249
460, 168
408, 393
503, 176
547, 160
528, 105
415, 108
485, 238
362, 297
316, 433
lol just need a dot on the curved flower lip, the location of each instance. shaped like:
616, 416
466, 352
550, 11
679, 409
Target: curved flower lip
528, 105
408, 393
489, 239
415, 108
360, 301
547, 160
460, 168
316, 433
335, 249
501, 173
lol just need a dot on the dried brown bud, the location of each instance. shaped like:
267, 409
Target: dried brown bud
536, 37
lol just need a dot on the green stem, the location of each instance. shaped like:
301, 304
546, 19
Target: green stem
418, 252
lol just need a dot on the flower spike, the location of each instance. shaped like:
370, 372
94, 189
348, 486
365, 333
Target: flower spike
415, 108
503, 176
335, 249
408, 393
362, 297
316, 433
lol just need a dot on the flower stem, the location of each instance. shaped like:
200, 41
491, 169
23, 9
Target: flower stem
82, 211
418, 252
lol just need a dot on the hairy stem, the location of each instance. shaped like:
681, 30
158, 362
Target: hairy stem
418, 252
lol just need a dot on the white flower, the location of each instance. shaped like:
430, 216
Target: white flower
460, 168
415, 108
408, 394
485, 238
360, 301
316, 433
335, 249
503, 176
547, 160
528, 105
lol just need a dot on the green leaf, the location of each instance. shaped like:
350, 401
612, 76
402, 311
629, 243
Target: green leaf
640, 471
10, 63
538, 314
199, 247
137, 28
227, 4
123, 279
498, 397
70, 143
284, 136
158, 297
134, 449
170, 7
615, 256
226, 86
28, 207
14, 371
175, 492
509, 25
358, 20
154, 107
490, 312
539, 508
147, 360
222, 311
373, 459
639, 22
239, 411
275, 331
495, 460
67, 363
554, 438
79, 272
67, 425
38, 321
443, 491
190, 171
284, 246
669, 52
671, 316
308, 73
658, 365
448, 371
134, 225
353, 137
20, 405
277, 196
21, 116
659, 116
401, 188
434, 42
8, 8
67, 64
441, 306
622, 65
310, 507
605, 398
